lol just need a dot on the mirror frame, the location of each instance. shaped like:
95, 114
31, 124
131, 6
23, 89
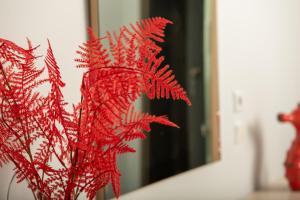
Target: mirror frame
215, 147
215, 107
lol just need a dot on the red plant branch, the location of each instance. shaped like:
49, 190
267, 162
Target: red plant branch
85, 142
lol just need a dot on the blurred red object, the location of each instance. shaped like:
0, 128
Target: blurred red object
292, 162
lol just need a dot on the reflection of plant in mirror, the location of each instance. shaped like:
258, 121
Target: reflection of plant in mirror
83, 142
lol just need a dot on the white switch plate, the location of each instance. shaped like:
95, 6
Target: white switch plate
240, 132
238, 101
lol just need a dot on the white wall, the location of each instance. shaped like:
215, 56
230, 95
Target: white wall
64, 22
258, 54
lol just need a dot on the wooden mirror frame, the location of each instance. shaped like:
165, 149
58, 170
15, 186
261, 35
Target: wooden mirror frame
215, 107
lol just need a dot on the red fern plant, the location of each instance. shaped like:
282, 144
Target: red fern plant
85, 142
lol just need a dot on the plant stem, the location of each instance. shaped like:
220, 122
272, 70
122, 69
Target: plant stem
16, 164
9, 186
74, 163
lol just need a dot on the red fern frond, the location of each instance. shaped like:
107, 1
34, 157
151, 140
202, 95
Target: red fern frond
117, 48
161, 82
53, 69
93, 54
151, 28
12, 53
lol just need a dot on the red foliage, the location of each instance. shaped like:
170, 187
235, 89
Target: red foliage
86, 141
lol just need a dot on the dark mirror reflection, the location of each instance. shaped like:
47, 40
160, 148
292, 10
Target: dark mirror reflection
169, 151
172, 151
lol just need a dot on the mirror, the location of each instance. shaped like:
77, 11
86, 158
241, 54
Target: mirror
190, 49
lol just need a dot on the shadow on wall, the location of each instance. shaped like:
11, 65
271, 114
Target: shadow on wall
260, 173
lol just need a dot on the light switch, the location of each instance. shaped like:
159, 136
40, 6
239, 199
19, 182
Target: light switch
238, 101
240, 132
